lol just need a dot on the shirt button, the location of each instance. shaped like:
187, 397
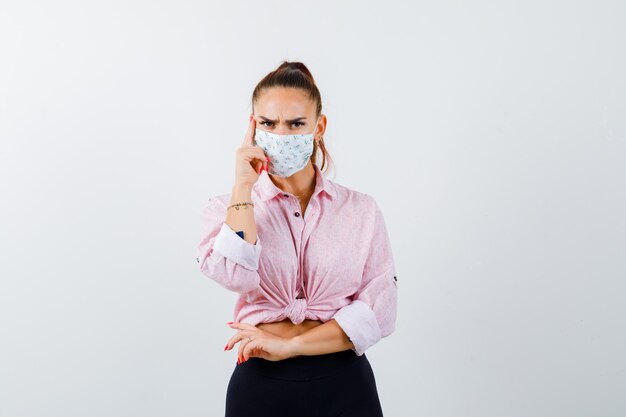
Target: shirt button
296, 214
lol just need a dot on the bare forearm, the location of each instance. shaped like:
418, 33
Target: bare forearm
325, 338
242, 219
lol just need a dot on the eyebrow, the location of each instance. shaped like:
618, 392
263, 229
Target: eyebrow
288, 121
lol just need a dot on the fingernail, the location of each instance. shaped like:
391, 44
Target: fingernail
226, 346
238, 361
266, 158
230, 322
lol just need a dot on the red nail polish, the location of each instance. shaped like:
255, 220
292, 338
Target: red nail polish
230, 322
226, 346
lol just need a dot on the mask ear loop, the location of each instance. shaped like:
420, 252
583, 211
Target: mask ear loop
316, 120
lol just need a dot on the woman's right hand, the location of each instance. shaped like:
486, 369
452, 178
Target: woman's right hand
251, 160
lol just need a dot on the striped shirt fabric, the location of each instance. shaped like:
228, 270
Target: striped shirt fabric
333, 262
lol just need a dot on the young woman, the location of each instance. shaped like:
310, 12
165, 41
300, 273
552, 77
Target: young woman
310, 259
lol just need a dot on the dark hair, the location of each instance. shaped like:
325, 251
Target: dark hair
295, 75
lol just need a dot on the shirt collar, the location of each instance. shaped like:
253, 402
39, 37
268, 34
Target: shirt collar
268, 190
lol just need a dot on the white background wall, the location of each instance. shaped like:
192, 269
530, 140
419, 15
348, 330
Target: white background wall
493, 135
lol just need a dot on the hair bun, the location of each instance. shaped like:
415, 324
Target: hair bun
296, 66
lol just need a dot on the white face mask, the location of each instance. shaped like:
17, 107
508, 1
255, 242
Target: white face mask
288, 153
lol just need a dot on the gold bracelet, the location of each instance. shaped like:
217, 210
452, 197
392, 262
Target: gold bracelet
236, 205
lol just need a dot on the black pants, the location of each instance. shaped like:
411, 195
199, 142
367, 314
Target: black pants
339, 384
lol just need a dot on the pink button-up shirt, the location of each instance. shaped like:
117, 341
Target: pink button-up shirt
335, 262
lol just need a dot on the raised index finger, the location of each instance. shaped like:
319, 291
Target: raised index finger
248, 140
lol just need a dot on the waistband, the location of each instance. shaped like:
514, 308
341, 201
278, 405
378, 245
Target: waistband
305, 367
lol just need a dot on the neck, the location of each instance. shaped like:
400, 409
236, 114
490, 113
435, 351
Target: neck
300, 184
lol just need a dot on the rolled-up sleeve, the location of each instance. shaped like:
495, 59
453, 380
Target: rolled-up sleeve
223, 255
372, 313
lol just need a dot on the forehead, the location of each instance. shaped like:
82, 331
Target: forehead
284, 102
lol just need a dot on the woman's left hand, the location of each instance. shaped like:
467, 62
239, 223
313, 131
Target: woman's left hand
263, 344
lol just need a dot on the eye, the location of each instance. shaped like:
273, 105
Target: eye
266, 123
